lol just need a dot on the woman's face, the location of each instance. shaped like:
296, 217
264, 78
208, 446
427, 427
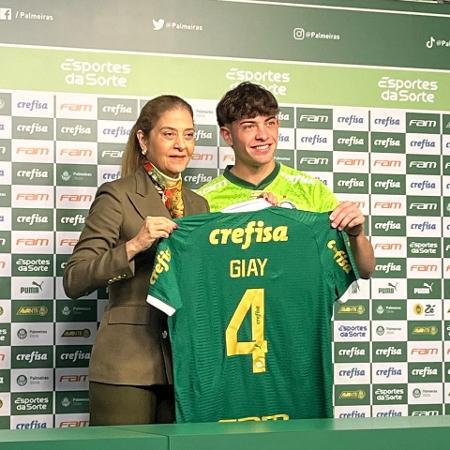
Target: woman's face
171, 142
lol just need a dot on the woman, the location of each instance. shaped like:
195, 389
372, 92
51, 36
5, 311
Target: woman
130, 367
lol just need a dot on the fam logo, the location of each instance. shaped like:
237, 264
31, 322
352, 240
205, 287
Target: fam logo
33, 242
109, 154
384, 247
28, 197
385, 205
388, 164
317, 162
73, 423
76, 107
419, 351
27, 152
423, 165
423, 206
424, 268
75, 198
204, 157
315, 118
423, 123
80, 153
344, 163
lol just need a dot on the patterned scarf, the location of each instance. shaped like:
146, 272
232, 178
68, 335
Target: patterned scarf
168, 188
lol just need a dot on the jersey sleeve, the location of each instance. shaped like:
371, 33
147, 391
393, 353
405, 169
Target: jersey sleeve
164, 292
338, 263
323, 198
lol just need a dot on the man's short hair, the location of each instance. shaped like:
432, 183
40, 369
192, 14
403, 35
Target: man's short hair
246, 100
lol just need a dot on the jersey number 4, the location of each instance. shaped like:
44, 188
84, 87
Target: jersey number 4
253, 301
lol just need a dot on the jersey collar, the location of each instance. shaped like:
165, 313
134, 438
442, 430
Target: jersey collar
240, 182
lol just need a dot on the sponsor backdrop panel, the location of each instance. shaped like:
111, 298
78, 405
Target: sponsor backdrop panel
369, 117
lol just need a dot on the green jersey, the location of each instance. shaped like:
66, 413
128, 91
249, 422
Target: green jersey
296, 188
250, 298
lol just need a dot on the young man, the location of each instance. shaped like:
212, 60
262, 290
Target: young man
247, 116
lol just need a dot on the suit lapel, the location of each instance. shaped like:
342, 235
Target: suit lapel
145, 198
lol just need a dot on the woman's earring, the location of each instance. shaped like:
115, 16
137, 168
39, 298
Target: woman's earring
144, 151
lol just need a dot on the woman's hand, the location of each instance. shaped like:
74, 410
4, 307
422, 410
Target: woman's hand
269, 197
152, 229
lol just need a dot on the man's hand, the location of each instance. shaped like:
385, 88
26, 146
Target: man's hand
348, 217
269, 197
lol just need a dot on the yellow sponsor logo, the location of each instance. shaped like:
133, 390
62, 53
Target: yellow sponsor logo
77, 333
258, 419
352, 309
340, 257
32, 311
254, 231
352, 395
431, 330
161, 264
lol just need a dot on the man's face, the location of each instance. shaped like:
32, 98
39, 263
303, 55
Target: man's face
254, 140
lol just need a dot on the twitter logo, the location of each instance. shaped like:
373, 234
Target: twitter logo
158, 24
